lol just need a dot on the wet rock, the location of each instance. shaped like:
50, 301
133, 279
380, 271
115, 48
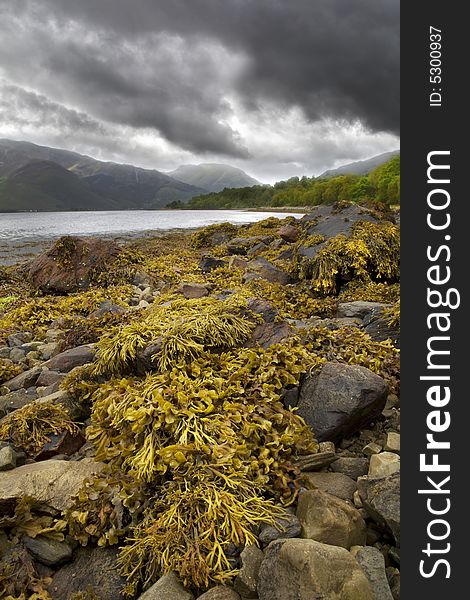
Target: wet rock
7, 458
289, 233
71, 263
51, 482
330, 520
245, 582
14, 400
91, 567
266, 270
301, 569
381, 499
49, 552
64, 443
68, 360
383, 464
372, 563
193, 290
341, 399
167, 587
287, 527
336, 484
267, 334
221, 592
24, 380
351, 466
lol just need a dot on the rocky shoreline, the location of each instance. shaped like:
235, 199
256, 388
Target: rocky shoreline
211, 414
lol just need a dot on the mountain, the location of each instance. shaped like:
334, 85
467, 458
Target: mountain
29, 182
213, 177
361, 167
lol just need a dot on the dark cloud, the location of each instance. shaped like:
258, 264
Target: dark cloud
252, 80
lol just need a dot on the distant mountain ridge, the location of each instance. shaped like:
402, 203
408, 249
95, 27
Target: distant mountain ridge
361, 167
213, 177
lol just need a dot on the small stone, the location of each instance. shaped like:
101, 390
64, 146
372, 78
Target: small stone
289, 233
49, 552
393, 401
48, 377
288, 527
357, 499
5, 352
208, 263
245, 582
47, 351
237, 262
336, 484
330, 520
393, 442
371, 449
383, 465
24, 380
167, 587
17, 399
17, 339
143, 304
327, 447
17, 355
7, 458
315, 462
381, 499
351, 466
75, 357
372, 563
63, 443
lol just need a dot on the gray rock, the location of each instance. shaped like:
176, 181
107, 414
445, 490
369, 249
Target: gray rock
351, 466
266, 270
381, 500
336, 484
7, 458
257, 249
5, 352
77, 411
48, 377
245, 582
17, 339
383, 464
330, 222
91, 567
68, 360
358, 309
193, 290
24, 380
107, 308
330, 520
372, 563
376, 325
307, 570
14, 400
288, 527
167, 587
17, 355
290, 397
221, 592
51, 482
49, 552
47, 351
341, 399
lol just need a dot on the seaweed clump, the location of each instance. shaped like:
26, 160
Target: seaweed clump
8, 370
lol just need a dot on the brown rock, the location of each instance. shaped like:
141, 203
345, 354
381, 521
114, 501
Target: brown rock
24, 380
289, 233
336, 484
221, 592
64, 443
193, 290
71, 263
267, 334
68, 360
265, 270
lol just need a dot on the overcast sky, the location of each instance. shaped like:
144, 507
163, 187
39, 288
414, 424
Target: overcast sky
276, 87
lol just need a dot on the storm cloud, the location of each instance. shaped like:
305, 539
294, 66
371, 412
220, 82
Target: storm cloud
252, 82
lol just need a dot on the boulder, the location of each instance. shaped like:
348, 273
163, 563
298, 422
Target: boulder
305, 570
68, 360
265, 270
71, 264
245, 582
167, 587
372, 563
336, 484
330, 520
289, 233
330, 221
94, 568
381, 500
341, 399
193, 290
51, 482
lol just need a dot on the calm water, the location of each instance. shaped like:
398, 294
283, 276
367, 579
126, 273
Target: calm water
23, 235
